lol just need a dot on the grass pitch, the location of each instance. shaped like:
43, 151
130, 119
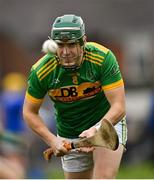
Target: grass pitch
138, 171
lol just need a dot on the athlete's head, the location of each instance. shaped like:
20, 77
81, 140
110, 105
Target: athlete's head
69, 33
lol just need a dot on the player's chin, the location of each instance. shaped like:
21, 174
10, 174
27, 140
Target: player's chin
86, 149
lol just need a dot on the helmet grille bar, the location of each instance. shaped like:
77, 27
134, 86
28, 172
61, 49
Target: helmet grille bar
66, 28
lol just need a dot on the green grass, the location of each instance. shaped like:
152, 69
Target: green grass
56, 174
138, 171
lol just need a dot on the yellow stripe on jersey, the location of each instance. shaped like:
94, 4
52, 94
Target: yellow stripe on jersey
104, 49
45, 69
93, 61
50, 70
38, 62
100, 58
41, 69
113, 85
32, 99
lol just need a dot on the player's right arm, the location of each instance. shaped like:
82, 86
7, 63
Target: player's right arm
36, 123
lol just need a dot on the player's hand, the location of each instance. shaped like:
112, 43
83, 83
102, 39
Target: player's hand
86, 134
58, 146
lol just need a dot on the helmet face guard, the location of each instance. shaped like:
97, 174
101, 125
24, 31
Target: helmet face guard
69, 29
70, 55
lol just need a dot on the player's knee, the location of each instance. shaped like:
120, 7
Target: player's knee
105, 174
109, 175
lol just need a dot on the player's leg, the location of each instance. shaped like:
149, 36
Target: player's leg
79, 175
78, 165
107, 162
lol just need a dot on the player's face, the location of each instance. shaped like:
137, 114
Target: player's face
70, 54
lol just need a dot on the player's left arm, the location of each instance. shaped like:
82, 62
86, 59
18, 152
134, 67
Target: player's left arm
113, 88
116, 98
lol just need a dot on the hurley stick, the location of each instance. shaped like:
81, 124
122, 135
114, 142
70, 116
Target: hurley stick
106, 137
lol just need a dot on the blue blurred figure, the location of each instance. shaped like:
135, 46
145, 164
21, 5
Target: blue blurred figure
12, 98
150, 129
12, 140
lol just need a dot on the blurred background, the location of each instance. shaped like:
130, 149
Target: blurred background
124, 26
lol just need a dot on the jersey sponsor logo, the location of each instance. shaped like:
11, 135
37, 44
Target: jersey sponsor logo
76, 92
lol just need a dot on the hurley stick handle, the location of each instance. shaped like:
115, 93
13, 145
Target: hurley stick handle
47, 154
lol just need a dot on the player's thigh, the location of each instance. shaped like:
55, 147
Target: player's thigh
107, 162
77, 165
79, 175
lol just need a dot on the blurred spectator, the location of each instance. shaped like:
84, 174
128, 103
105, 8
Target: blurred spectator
12, 156
12, 97
141, 127
12, 139
150, 129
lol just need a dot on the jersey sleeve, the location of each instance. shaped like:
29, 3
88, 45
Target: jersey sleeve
35, 91
111, 76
